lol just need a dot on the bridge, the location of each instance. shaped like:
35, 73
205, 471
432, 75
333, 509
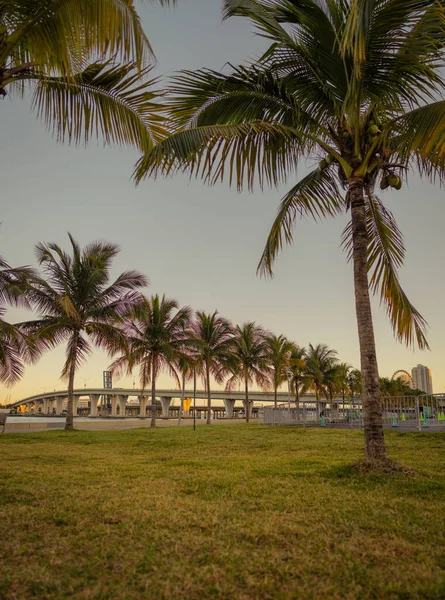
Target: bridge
121, 400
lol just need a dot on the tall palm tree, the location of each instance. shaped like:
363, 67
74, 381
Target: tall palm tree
279, 352
15, 347
156, 331
79, 305
212, 344
250, 351
357, 84
321, 363
87, 63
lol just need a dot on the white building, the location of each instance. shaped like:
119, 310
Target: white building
423, 378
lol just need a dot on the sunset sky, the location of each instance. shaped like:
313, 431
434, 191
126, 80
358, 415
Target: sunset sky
201, 245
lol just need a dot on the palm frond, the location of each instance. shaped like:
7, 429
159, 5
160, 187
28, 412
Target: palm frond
317, 196
106, 100
386, 253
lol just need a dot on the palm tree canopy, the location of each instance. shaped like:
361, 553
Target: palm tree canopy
76, 299
87, 62
279, 352
250, 351
156, 332
15, 346
321, 368
212, 342
357, 84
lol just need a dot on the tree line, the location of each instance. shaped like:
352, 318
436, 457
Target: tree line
78, 305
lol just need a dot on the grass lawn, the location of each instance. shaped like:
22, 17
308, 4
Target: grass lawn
226, 512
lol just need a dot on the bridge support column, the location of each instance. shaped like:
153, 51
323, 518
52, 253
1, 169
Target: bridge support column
248, 407
60, 401
142, 406
75, 403
45, 402
94, 399
165, 403
229, 403
122, 399
113, 400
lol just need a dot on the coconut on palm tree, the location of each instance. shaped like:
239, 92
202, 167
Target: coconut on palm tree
79, 304
156, 331
211, 345
355, 85
279, 352
86, 63
250, 351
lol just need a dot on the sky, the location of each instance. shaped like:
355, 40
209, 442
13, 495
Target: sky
201, 245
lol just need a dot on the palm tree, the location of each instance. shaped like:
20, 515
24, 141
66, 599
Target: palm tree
156, 332
321, 363
356, 84
87, 62
297, 371
186, 368
343, 374
250, 350
212, 344
15, 346
279, 352
76, 301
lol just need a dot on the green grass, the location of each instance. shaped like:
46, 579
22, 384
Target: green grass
226, 512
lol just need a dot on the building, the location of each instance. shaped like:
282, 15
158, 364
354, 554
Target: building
423, 379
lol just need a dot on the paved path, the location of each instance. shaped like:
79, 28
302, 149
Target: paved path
36, 424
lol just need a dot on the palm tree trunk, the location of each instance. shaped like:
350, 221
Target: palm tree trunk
373, 427
153, 392
275, 395
69, 423
297, 400
247, 401
181, 408
209, 400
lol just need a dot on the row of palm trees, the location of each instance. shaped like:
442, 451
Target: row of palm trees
78, 305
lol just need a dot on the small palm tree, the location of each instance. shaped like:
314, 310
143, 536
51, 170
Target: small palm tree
15, 347
156, 332
87, 64
343, 374
186, 368
211, 348
297, 372
250, 351
279, 352
76, 301
321, 363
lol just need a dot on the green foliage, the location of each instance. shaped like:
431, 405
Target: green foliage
359, 82
87, 62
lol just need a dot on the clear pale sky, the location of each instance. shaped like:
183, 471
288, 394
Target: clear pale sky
201, 245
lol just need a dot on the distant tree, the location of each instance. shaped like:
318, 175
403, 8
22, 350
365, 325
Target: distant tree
298, 371
250, 351
87, 63
279, 352
76, 301
321, 363
211, 349
156, 332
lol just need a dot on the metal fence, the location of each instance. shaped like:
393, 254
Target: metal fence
409, 413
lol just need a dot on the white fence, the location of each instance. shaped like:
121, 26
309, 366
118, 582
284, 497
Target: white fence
410, 413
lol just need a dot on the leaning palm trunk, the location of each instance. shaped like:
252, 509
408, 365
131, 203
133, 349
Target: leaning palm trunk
209, 399
374, 439
153, 393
